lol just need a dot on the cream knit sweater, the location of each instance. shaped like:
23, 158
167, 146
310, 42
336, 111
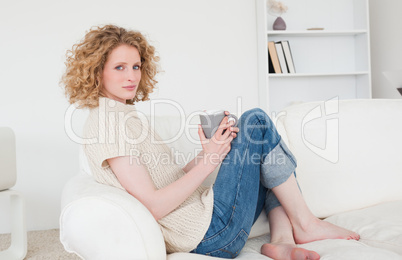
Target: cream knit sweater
115, 129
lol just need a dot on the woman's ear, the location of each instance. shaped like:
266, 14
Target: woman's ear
98, 80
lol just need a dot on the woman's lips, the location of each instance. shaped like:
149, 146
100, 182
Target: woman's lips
132, 87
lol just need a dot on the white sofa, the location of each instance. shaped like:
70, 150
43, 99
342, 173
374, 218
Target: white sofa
349, 168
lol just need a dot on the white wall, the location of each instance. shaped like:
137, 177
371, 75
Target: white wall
386, 42
208, 54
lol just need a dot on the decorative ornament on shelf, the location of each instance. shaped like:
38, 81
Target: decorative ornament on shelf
277, 8
395, 78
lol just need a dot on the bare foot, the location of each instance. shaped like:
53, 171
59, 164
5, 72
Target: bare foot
318, 229
287, 252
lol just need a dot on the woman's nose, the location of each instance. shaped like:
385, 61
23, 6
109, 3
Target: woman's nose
133, 75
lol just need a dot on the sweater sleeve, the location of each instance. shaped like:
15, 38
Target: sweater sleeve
111, 140
100, 152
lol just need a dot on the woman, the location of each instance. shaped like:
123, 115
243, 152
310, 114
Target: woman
110, 70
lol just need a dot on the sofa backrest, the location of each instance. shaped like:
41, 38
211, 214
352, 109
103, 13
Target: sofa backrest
349, 152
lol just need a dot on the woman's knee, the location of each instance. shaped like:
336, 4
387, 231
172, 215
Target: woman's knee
255, 114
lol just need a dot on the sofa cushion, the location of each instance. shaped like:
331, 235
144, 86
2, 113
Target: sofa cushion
348, 152
330, 249
378, 226
335, 249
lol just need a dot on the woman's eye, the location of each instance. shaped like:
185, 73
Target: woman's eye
136, 67
119, 67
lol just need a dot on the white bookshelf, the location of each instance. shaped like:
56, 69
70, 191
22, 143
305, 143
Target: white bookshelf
333, 62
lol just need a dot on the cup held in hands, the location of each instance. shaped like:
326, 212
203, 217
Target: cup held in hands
211, 120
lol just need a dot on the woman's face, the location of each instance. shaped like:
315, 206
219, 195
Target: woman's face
122, 73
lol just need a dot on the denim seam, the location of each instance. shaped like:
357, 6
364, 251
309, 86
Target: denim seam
237, 193
233, 209
238, 185
279, 139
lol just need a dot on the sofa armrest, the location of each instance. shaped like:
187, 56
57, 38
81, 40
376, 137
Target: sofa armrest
102, 222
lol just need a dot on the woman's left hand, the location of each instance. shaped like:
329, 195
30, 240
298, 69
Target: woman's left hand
218, 146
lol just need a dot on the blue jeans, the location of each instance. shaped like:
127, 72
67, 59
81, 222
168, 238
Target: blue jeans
258, 161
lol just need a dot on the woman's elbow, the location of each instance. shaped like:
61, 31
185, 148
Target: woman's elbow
156, 213
150, 202
153, 208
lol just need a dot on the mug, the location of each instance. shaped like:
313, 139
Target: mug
211, 120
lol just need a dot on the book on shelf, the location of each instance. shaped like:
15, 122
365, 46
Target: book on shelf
270, 65
281, 57
288, 56
273, 61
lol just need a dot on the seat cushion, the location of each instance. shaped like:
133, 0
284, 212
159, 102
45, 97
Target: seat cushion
378, 226
330, 249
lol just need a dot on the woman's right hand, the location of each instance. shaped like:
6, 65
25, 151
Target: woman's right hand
216, 148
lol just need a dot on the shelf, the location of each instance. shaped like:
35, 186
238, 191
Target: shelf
316, 33
294, 75
331, 62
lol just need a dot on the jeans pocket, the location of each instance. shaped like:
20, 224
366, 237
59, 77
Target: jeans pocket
216, 227
232, 249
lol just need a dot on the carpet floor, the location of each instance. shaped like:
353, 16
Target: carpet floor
43, 244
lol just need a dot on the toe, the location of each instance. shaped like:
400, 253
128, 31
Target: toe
313, 255
299, 253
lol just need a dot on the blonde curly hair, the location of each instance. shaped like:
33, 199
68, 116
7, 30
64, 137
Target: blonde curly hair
85, 62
